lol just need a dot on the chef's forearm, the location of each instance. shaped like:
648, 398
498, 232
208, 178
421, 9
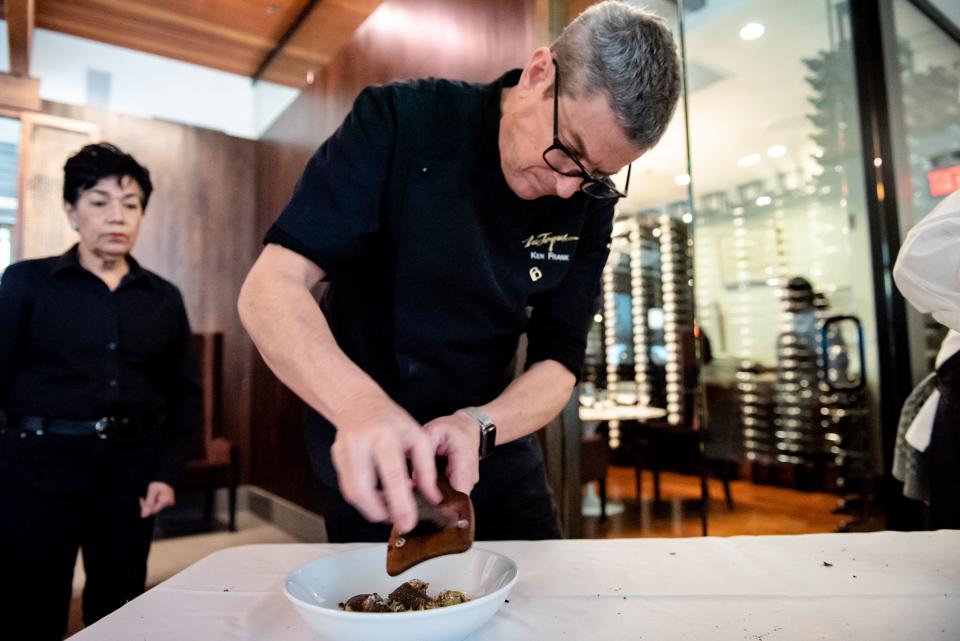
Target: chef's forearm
531, 401
294, 338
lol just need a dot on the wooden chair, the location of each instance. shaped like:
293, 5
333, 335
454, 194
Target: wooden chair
688, 448
662, 447
213, 463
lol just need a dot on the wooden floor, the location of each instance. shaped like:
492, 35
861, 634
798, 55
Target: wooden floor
758, 509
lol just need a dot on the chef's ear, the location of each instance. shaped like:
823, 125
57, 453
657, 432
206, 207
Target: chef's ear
538, 72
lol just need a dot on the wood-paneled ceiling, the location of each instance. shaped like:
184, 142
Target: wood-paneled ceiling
239, 36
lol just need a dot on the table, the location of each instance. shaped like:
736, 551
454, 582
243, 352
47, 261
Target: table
621, 413
879, 586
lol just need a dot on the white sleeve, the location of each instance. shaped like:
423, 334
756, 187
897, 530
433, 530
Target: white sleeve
928, 266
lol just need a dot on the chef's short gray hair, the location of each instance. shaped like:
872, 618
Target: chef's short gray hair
629, 54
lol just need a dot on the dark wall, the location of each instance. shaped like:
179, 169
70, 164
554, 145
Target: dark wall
197, 232
463, 39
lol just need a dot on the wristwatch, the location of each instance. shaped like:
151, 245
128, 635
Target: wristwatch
488, 431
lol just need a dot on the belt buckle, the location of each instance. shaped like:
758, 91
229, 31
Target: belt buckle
104, 426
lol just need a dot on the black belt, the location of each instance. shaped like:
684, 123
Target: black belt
105, 427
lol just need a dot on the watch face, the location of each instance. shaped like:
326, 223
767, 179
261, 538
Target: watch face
488, 437
488, 430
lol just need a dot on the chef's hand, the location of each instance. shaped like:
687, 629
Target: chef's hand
457, 438
375, 445
159, 496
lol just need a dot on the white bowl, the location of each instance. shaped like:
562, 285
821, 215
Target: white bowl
317, 588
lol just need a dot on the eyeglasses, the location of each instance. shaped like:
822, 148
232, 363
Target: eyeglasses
564, 162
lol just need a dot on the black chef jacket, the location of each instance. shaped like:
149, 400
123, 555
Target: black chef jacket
72, 349
435, 266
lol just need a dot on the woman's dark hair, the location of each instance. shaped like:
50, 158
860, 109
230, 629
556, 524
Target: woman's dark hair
102, 160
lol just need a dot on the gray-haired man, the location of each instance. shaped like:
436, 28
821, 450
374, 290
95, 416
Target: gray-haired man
440, 212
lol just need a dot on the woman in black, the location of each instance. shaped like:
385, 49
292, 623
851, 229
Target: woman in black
98, 403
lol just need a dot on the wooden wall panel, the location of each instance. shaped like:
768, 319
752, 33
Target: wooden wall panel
198, 233
461, 39
42, 228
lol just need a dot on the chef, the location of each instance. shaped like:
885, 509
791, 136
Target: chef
450, 218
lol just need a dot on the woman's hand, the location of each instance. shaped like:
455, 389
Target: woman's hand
159, 496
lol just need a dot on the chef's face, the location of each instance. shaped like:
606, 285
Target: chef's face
107, 216
586, 125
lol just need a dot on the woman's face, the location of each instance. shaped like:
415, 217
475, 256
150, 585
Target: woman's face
107, 216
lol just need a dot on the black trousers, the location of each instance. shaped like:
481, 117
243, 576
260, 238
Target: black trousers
523, 510
58, 495
943, 454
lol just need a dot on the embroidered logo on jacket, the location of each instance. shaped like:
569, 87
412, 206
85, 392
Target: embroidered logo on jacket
548, 241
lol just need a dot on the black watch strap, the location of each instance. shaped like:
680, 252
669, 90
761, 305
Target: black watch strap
488, 431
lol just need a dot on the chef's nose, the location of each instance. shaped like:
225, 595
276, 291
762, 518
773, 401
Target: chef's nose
567, 185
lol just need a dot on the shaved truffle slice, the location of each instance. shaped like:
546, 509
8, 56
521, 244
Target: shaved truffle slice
412, 595
368, 603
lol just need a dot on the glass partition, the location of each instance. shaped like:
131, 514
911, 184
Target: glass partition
781, 240
738, 301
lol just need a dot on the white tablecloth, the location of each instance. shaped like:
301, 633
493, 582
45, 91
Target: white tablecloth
886, 585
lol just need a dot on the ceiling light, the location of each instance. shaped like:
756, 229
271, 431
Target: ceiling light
751, 31
682, 179
776, 151
746, 161
687, 218
763, 201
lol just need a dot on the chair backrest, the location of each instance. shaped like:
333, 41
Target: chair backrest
207, 351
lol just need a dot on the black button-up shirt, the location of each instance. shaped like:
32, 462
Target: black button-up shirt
72, 349
433, 262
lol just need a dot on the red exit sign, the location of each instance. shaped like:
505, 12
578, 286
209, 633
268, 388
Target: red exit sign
944, 182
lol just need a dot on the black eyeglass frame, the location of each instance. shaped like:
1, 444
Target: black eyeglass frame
609, 190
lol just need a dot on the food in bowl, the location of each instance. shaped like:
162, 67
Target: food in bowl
410, 596
318, 587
